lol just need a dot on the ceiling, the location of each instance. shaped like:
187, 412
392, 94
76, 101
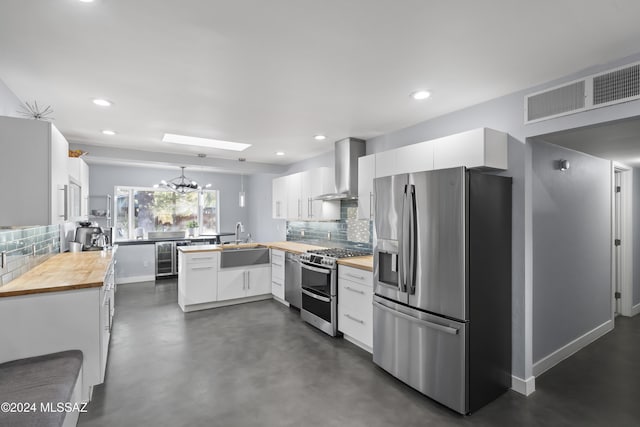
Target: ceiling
618, 141
275, 73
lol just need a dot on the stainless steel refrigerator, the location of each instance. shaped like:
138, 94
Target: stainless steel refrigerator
442, 276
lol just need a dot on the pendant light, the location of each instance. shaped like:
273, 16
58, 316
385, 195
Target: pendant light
241, 195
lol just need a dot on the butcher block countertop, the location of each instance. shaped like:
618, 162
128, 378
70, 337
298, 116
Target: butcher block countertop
361, 262
294, 247
62, 272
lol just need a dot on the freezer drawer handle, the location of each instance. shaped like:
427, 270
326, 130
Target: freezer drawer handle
354, 290
441, 328
318, 297
354, 319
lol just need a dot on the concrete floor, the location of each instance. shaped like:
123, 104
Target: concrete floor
258, 364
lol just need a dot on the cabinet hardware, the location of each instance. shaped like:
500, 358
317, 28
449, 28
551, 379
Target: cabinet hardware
3, 259
354, 290
354, 319
275, 263
355, 276
299, 208
371, 205
201, 259
248, 279
276, 283
202, 268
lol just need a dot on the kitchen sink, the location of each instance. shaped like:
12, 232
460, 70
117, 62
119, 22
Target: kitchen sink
241, 256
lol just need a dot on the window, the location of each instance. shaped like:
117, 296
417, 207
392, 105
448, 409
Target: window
141, 210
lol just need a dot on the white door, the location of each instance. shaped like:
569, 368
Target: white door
617, 227
231, 284
259, 281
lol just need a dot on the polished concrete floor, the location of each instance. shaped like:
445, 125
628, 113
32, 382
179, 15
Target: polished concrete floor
257, 364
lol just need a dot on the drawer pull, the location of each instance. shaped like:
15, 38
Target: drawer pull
201, 259
357, 291
354, 319
355, 276
275, 263
276, 283
202, 268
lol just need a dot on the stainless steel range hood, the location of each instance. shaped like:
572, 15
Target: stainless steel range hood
347, 152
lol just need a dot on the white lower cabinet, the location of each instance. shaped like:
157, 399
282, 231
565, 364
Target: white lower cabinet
197, 278
355, 305
243, 282
277, 274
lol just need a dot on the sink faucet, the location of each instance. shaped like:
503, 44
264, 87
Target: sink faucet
239, 229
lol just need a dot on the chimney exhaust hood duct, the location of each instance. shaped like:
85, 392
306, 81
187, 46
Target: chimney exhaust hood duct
347, 152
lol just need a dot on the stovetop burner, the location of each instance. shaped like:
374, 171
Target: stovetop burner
338, 253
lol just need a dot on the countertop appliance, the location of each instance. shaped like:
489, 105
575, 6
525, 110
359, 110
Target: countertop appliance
442, 278
292, 280
318, 278
91, 238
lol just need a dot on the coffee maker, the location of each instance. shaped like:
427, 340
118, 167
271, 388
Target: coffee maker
92, 238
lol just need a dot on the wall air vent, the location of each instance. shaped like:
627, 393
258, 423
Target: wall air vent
597, 90
616, 86
555, 102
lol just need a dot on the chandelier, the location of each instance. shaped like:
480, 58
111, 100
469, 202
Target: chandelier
181, 184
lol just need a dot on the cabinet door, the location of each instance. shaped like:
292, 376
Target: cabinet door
259, 281
231, 284
415, 157
366, 174
294, 196
59, 177
84, 182
201, 283
279, 198
355, 311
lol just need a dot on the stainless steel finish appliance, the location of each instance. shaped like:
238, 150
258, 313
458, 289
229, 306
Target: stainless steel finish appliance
91, 238
167, 257
347, 152
442, 276
292, 280
318, 277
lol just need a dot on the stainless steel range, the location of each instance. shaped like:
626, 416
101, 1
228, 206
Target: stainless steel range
319, 287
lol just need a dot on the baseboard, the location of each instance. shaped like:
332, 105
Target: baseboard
358, 343
635, 310
521, 386
579, 343
133, 279
216, 304
283, 302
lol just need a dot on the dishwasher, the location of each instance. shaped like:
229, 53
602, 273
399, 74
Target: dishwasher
292, 280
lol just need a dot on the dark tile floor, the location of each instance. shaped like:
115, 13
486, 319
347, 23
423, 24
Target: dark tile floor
257, 364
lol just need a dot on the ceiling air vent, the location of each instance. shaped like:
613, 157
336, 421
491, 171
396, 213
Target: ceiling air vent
555, 102
616, 86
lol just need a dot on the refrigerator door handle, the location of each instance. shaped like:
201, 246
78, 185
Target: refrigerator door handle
413, 237
441, 328
404, 241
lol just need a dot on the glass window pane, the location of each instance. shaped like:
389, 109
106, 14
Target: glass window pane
163, 210
122, 214
210, 212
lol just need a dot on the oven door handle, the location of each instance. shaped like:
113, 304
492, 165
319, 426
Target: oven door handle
318, 297
316, 269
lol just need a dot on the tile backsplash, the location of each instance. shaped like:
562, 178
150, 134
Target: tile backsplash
347, 232
18, 243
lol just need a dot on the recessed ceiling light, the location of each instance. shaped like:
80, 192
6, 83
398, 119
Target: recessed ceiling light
419, 95
102, 102
280, 153
319, 137
204, 142
108, 132
86, 1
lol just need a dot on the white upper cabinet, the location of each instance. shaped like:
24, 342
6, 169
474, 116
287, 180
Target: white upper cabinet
36, 153
294, 196
479, 148
475, 149
366, 174
78, 188
279, 198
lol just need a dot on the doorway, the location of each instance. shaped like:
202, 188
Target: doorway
621, 256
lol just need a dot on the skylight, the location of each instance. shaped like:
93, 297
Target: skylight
204, 142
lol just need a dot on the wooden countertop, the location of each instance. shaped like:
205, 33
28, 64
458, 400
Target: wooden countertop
361, 262
62, 272
294, 247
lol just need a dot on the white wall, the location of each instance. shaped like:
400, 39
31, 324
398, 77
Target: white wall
9, 102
